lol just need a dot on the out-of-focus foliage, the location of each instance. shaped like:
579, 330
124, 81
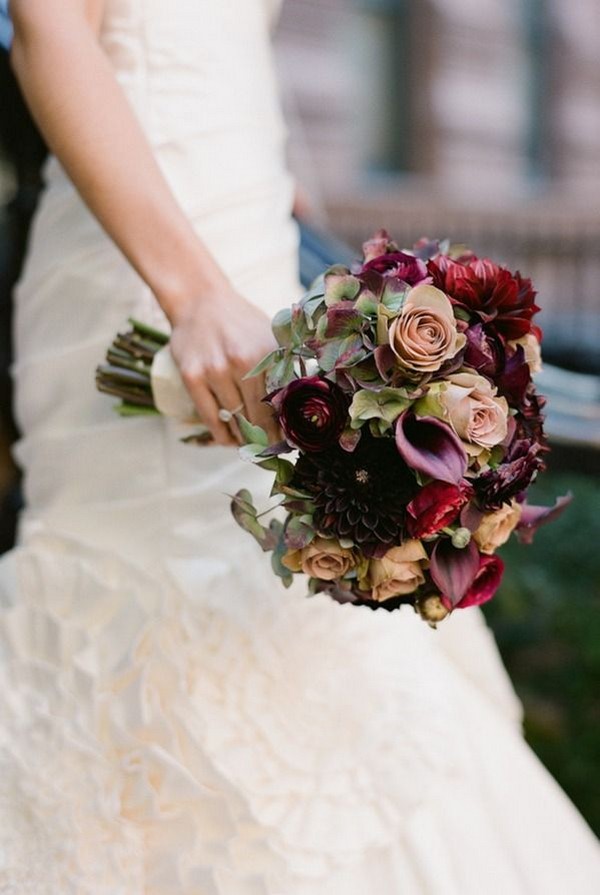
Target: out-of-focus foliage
547, 622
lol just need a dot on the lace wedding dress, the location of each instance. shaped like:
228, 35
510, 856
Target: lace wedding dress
172, 721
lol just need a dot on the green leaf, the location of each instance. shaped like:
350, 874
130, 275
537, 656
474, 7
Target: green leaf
342, 320
367, 304
386, 404
287, 577
282, 468
341, 352
281, 374
394, 295
263, 364
461, 313
430, 404
253, 435
299, 532
315, 290
250, 452
340, 287
382, 326
245, 514
281, 324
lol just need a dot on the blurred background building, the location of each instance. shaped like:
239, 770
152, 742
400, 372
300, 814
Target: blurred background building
475, 119
478, 120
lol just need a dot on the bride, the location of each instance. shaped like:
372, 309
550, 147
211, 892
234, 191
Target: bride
172, 722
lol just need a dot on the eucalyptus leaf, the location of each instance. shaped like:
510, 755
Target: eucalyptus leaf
287, 577
281, 373
250, 453
281, 325
251, 434
299, 533
245, 515
264, 364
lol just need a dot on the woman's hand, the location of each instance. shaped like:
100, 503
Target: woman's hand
215, 341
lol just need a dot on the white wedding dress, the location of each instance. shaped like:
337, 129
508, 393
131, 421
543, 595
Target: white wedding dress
172, 721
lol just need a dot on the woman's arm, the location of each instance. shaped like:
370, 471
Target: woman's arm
88, 123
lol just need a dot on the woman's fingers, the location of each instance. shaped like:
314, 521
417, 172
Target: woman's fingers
229, 398
258, 412
208, 410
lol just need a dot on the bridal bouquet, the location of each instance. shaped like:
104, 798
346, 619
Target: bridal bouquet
412, 429
411, 426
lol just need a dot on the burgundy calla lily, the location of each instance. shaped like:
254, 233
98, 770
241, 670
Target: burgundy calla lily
431, 447
533, 516
453, 570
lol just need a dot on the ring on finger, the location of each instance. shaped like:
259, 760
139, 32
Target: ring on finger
227, 415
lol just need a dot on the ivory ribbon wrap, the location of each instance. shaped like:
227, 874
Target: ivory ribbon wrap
170, 395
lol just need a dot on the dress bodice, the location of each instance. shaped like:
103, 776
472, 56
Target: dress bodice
200, 76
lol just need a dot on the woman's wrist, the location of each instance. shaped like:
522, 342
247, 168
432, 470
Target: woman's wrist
182, 287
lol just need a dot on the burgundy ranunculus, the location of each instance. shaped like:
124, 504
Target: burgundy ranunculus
485, 584
500, 299
436, 505
404, 267
312, 412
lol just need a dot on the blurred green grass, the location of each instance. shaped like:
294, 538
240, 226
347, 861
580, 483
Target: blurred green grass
546, 618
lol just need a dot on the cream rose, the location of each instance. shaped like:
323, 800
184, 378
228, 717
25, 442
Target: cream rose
473, 410
322, 558
532, 349
398, 572
496, 528
424, 335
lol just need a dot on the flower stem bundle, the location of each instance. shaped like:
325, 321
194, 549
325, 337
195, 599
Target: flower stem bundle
127, 371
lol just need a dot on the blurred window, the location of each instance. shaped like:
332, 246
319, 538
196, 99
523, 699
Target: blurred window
6, 31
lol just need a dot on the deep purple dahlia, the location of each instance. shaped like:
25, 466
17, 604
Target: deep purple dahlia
360, 495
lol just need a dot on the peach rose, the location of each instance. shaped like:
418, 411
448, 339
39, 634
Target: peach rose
496, 528
322, 558
473, 411
398, 572
532, 349
424, 335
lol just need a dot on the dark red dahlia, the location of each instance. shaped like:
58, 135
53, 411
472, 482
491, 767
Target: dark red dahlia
501, 300
312, 412
360, 495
